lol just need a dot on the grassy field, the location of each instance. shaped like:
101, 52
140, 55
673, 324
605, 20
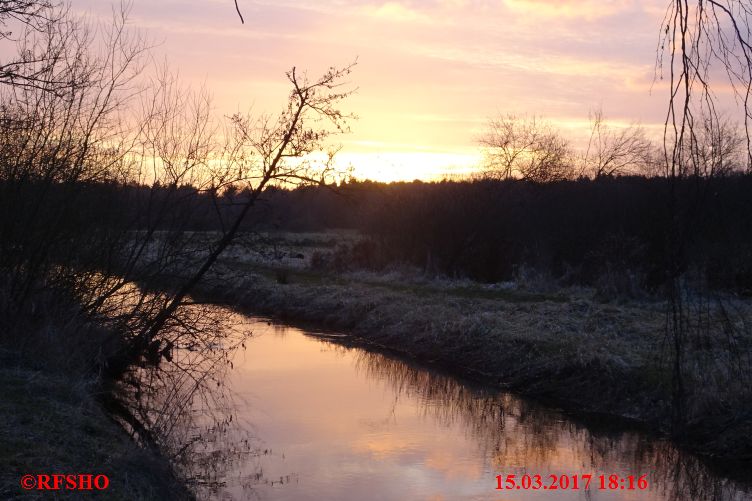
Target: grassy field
569, 346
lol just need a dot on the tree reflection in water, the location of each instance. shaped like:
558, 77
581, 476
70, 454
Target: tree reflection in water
186, 408
514, 432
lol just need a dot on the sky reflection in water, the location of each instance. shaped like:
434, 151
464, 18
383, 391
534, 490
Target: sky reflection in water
343, 424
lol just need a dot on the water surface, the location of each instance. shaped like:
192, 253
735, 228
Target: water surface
337, 423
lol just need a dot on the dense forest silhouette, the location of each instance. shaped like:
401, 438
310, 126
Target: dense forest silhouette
607, 232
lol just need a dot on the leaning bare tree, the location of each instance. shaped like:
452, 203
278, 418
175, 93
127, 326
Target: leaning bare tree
258, 152
265, 151
105, 164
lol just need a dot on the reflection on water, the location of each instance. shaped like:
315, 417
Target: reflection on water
336, 423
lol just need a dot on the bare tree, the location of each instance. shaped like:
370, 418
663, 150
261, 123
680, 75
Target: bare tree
706, 42
265, 151
718, 149
26, 23
527, 148
57, 137
703, 42
615, 151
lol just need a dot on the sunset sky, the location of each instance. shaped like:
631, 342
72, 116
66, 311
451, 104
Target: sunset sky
430, 72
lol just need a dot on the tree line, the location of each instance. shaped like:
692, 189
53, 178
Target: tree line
580, 231
608, 232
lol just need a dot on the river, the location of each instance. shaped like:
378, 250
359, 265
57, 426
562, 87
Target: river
336, 423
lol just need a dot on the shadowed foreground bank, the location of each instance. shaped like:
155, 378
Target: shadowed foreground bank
49, 425
568, 348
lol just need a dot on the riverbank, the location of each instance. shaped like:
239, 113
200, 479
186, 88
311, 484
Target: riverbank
567, 347
52, 422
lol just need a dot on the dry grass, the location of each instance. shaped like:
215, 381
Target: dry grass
48, 425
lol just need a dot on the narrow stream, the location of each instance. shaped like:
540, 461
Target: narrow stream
338, 423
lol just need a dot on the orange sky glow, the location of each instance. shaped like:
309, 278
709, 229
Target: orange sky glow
430, 73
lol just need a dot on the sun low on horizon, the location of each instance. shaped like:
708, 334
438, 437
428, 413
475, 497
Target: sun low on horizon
429, 73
